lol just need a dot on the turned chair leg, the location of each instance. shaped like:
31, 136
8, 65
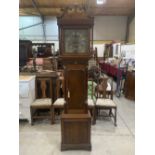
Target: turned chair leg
97, 112
94, 116
53, 115
115, 117
110, 112
51, 111
31, 112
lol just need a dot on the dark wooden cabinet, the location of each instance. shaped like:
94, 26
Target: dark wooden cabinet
25, 50
129, 90
75, 37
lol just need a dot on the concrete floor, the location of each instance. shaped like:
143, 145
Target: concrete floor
106, 139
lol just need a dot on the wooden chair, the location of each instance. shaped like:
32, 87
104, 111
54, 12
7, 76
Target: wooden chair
41, 108
91, 99
96, 56
105, 99
60, 101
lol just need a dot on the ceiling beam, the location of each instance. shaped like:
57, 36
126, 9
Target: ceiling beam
112, 7
36, 7
51, 6
90, 10
91, 13
30, 12
42, 18
88, 4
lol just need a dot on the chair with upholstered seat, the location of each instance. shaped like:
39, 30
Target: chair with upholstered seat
60, 101
41, 108
91, 98
104, 99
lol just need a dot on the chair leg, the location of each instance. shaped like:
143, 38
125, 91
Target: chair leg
110, 112
115, 117
31, 112
53, 115
97, 112
90, 109
94, 116
92, 112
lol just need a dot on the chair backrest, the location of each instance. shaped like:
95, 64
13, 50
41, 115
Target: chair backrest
101, 88
96, 56
43, 87
94, 73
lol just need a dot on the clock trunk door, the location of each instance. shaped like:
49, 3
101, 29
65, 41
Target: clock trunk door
76, 88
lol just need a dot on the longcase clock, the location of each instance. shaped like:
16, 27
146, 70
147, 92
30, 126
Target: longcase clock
75, 42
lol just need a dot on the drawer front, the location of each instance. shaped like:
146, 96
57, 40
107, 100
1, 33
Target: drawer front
25, 102
24, 113
24, 90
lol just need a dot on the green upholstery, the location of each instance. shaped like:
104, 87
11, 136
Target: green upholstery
91, 89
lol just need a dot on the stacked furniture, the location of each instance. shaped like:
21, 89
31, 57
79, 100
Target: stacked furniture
43, 49
25, 51
111, 69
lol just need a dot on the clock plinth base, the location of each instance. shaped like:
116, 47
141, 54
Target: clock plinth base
75, 147
76, 131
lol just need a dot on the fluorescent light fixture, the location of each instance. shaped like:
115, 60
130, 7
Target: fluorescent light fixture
100, 1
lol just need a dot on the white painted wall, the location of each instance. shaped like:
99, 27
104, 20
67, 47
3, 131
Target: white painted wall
100, 49
117, 50
105, 28
128, 51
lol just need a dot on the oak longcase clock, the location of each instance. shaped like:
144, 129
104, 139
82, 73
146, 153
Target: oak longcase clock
75, 43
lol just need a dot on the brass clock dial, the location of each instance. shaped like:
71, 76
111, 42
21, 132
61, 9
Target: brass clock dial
76, 40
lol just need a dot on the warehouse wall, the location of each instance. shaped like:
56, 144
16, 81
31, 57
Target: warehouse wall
131, 37
36, 32
110, 27
105, 28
